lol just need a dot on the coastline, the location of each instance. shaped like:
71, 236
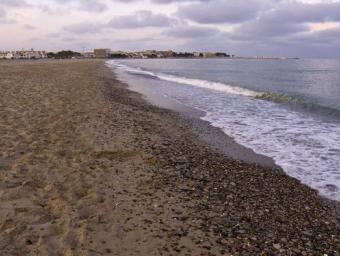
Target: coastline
102, 172
214, 136
303, 139
217, 140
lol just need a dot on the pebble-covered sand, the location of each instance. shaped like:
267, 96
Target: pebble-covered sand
89, 168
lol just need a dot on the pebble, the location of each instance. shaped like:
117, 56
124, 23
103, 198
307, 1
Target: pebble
277, 246
246, 207
4, 163
331, 188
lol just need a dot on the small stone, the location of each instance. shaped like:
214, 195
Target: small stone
182, 232
307, 233
277, 246
284, 240
4, 163
331, 188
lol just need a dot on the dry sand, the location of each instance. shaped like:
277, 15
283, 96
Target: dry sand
88, 168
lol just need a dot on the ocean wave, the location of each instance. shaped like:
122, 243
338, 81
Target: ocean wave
298, 101
192, 82
137, 71
295, 101
305, 147
210, 85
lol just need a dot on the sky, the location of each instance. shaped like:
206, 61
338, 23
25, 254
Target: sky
293, 28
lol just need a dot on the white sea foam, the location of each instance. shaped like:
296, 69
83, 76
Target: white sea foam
304, 146
210, 85
130, 69
192, 82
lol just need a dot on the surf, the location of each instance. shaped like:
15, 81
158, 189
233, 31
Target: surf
277, 97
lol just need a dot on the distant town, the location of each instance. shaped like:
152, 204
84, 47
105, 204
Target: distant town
109, 54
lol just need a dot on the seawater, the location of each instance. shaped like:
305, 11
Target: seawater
286, 109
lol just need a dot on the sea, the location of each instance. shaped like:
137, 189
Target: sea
288, 109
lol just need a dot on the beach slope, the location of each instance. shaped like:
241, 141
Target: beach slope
87, 167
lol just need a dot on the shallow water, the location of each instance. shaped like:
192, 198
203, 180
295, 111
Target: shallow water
288, 110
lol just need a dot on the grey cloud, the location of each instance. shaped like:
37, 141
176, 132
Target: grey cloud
311, 44
222, 11
14, 3
2, 12
69, 39
323, 37
52, 35
29, 27
280, 28
86, 5
261, 27
83, 28
285, 20
162, 1
298, 12
259, 30
235, 11
4, 20
100, 5
307, 44
93, 6
10, 4
191, 32
325, 43
330, 34
140, 44
177, 1
141, 19
35, 38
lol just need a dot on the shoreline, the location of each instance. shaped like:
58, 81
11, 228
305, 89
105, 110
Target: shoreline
99, 171
214, 136
220, 140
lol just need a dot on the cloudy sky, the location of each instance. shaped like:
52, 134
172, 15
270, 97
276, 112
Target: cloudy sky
303, 28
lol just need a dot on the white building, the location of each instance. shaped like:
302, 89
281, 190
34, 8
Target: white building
197, 54
3, 55
27, 55
12, 55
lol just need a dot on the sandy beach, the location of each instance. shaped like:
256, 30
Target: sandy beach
88, 167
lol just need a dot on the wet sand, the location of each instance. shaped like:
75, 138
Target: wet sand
88, 167
214, 136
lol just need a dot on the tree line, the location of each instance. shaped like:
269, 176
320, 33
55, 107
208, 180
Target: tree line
63, 55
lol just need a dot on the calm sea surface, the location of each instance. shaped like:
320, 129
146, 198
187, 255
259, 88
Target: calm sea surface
286, 109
